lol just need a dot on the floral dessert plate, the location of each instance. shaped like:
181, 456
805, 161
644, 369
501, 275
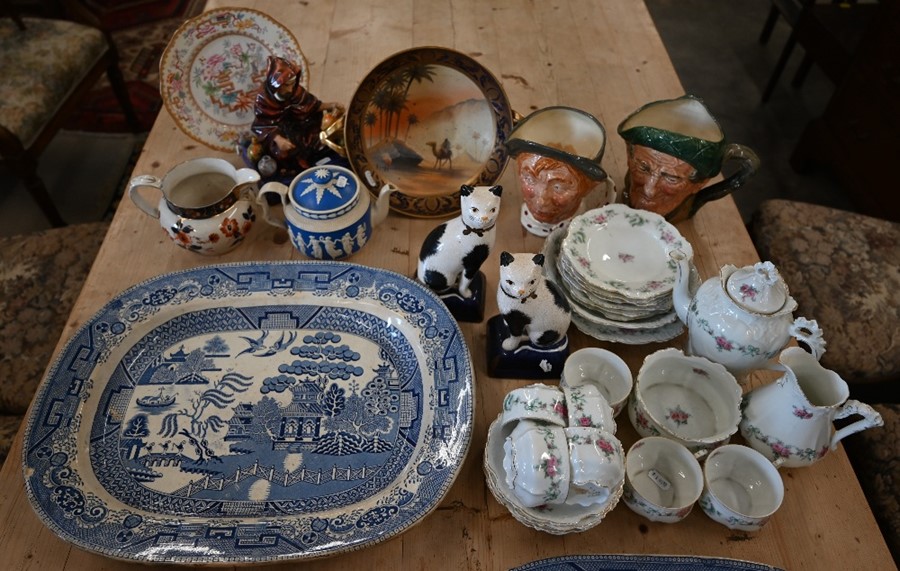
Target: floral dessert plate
213, 67
246, 413
428, 120
623, 250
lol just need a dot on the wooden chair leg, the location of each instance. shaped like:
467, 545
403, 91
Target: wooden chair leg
117, 82
802, 71
779, 66
27, 170
769, 25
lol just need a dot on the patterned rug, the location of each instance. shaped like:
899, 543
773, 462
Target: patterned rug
141, 29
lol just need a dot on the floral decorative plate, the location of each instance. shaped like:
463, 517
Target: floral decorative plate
428, 120
624, 250
252, 412
642, 563
212, 68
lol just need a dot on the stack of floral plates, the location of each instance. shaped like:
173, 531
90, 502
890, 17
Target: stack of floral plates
613, 265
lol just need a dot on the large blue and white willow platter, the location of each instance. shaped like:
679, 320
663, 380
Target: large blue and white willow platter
254, 412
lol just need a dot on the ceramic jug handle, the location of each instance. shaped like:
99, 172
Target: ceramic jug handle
749, 165
273, 188
140, 201
870, 419
808, 332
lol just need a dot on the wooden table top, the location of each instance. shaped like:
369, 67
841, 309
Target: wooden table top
603, 57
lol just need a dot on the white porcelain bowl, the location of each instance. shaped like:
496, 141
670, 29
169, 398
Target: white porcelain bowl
689, 399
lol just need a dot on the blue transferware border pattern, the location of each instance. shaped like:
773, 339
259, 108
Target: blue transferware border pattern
642, 563
295, 465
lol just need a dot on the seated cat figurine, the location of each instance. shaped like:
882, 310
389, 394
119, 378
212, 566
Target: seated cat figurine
533, 308
453, 252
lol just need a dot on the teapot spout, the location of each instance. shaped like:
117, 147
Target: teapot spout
681, 295
382, 205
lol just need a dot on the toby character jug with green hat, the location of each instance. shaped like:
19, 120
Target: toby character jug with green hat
675, 147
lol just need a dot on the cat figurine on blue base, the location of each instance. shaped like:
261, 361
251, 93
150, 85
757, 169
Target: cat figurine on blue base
529, 338
451, 256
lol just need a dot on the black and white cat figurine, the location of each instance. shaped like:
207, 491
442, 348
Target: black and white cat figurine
453, 252
533, 308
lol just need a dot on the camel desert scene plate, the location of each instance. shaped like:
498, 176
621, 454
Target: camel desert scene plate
428, 120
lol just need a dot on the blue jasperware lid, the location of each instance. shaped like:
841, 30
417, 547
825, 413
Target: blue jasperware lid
325, 192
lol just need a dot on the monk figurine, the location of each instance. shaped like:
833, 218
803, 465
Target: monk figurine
288, 123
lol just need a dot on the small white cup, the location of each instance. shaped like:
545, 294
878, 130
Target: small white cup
602, 369
742, 489
535, 402
536, 461
663, 479
597, 465
586, 406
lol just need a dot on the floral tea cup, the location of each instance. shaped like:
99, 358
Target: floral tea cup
536, 462
586, 407
602, 369
663, 479
742, 488
535, 402
597, 464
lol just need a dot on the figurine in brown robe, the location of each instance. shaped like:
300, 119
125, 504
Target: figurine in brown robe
288, 118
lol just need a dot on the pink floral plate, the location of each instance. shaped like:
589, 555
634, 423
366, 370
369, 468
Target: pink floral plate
212, 68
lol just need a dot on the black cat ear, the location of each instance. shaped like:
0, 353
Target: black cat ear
538, 259
497, 190
506, 259
466, 190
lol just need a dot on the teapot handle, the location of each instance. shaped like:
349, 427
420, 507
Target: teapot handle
808, 332
273, 188
140, 201
749, 165
870, 419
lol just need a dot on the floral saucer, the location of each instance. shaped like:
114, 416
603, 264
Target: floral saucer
625, 251
213, 67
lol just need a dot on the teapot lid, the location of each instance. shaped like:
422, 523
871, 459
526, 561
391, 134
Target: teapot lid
325, 192
758, 288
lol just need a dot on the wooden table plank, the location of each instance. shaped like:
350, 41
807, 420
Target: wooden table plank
603, 57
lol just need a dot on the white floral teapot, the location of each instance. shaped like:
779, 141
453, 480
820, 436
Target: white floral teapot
743, 318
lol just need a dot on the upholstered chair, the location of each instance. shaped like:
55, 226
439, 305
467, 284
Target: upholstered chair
48, 67
41, 276
843, 269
